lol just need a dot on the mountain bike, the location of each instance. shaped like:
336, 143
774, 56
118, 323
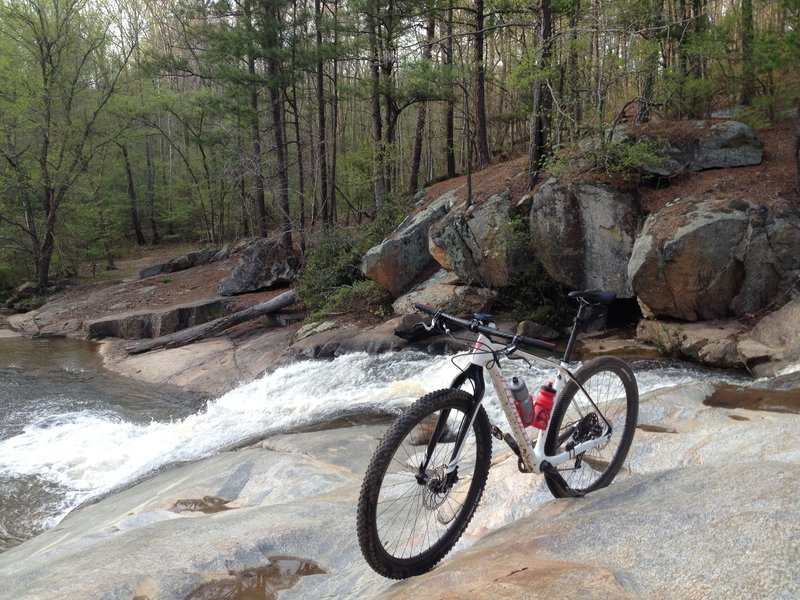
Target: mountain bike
427, 475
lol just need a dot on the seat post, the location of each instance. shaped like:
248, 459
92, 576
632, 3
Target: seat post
576, 329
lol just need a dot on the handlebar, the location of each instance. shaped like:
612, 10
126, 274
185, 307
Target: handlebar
476, 326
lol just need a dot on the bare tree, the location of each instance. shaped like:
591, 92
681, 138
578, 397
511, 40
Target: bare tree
65, 44
542, 98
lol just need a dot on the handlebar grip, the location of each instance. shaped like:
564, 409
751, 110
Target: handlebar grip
426, 308
541, 344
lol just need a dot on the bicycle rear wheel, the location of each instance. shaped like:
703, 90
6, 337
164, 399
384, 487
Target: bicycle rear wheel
409, 518
608, 394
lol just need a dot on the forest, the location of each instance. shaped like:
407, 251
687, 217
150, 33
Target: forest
128, 123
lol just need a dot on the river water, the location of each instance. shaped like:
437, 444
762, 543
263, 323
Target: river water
71, 432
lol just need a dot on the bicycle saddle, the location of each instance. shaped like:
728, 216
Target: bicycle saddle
594, 296
484, 318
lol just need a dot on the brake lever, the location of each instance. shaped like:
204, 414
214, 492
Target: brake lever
436, 324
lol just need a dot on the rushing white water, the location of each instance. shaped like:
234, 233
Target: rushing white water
89, 453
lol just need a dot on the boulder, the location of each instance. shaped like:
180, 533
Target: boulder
537, 330
584, 233
21, 294
265, 264
446, 291
713, 343
709, 259
773, 345
181, 263
402, 257
728, 144
473, 242
695, 147
150, 324
153, 270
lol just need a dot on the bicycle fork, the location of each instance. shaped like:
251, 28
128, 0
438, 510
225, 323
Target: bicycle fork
474, 374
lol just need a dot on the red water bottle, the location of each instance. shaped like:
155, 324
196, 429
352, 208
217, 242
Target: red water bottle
543, 406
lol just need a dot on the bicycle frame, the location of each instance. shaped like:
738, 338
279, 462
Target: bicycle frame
483, 357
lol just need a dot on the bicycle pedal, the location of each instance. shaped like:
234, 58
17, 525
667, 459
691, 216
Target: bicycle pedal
496, 432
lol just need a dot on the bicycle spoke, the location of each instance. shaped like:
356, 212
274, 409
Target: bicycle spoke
418, 515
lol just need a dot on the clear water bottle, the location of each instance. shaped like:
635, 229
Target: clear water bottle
523, 399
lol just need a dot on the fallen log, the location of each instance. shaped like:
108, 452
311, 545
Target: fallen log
204, 330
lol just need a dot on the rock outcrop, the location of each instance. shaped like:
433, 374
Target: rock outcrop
723, 145
584, 234
445, 290
773, 345
181, 263
150, 324
403, 256
728, 144
265, 264
704, 509
705, 259
474, 242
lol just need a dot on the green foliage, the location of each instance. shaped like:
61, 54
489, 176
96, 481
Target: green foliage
626, 159
30, 303
6, 280
362, 295
331, 280
621, 160
395, 208
333, 262
531, 293
697, 96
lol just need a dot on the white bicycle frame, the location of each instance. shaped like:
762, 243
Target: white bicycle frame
483, 355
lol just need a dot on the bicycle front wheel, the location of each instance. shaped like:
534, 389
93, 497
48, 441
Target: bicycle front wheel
410, 514
607, 396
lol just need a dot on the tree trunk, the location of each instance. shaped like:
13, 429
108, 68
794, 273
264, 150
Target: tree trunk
481, 134
797, 147
574, 85
322, 147
255, 130
416, 155
654, 22
137, 224
450, 108
748, 67
379, 175
199, 332
280, 153
542, 99
332, 214
45, 250
155, 238
301, 184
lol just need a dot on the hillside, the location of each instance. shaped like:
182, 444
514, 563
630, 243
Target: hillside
775, 177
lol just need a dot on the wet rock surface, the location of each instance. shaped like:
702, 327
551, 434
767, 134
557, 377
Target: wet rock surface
705, 508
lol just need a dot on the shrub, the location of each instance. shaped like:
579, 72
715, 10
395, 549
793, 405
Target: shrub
362, 296
332, 263
624, 160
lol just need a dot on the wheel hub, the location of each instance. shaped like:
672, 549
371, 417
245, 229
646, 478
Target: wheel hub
437, 487
588, 428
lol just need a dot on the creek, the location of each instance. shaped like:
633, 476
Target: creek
72, 432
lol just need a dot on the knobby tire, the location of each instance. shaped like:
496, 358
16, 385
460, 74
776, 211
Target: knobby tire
611, 384
405, 527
